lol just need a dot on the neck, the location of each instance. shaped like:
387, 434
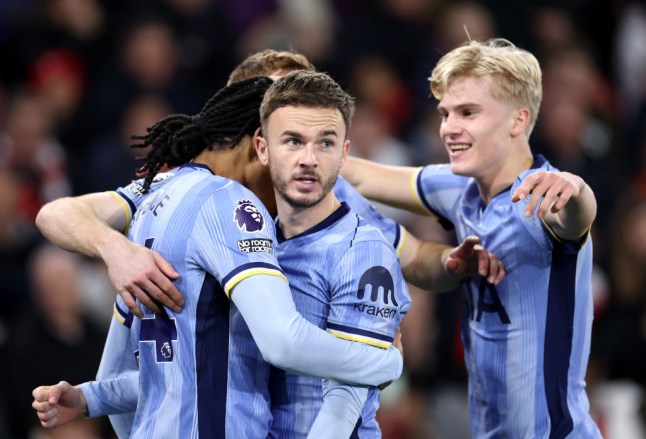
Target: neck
226, 163
296, 220
492, 183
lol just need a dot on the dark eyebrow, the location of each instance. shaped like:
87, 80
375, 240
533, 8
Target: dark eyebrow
328, 133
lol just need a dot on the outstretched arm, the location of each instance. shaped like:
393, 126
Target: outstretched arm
92, 225
439, 267
386, 184
567, 204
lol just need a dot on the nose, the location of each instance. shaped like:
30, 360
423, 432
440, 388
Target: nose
449, 126
308, 158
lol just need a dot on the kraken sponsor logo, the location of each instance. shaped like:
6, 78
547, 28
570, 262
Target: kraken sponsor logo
379, 284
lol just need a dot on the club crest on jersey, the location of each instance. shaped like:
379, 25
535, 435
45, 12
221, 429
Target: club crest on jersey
248, 217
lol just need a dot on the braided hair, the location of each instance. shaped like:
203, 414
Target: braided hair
225, 119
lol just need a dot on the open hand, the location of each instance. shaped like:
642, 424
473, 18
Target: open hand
470, 258
140, 273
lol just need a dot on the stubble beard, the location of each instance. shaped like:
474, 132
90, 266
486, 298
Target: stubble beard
303, 202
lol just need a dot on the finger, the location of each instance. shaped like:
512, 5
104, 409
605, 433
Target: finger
564, 197
501, 272
526, 187
470, 245
550, 198
534, 200
164, 283
41, 406
131, 303
146, 300
452, 266
492, 269
49, 421
55, 393
398, 336
157, 296
165, 267
48, 415
483, 261
41, 393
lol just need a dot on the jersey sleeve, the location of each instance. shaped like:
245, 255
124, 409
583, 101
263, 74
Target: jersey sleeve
234, 238
117, 354
392, 231
290, 342
369, 295
342, 406
117, 361
438, 191
133, 195
117, 395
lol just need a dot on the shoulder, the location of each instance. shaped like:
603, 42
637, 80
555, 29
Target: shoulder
368, 238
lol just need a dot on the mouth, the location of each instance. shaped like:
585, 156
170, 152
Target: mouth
306, 180
457, 148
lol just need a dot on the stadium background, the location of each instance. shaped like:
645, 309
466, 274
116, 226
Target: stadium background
78, 77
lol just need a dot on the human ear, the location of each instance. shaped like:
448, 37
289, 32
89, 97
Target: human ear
345, 151
261, 149
520, 122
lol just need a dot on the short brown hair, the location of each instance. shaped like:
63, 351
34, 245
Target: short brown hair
307, 89
270, 61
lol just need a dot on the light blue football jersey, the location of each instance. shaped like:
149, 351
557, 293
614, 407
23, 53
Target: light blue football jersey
248, 397
345, 278
215, 233
527, 339
394, 233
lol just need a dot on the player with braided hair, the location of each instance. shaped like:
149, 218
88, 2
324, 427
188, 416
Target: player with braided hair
225, 119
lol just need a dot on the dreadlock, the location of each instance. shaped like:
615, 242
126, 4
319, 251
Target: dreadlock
224, 120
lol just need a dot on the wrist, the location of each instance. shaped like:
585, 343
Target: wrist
107, 243
82, 404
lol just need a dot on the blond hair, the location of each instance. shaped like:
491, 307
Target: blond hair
517, 72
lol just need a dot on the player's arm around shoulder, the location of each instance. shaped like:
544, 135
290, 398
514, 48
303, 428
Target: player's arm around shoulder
564, 201
83, 224
383, 183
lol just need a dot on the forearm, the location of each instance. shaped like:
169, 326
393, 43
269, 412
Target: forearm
386, 184
288, 341
423, 265
341, 409
75, 224
114, 396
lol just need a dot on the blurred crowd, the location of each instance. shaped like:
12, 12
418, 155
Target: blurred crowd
79, 77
